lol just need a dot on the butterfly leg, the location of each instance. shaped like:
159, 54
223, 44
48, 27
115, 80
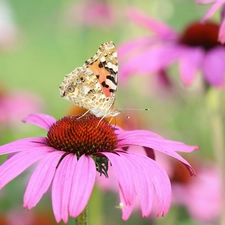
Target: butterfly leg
83, 114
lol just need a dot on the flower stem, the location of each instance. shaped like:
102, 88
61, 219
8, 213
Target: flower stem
82, 219
215, 112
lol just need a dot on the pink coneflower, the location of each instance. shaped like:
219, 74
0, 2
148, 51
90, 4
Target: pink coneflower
195, 49
74, 149
15, 105
216, 5
195, 194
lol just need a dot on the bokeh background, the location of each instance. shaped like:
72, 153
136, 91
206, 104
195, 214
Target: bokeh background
41, 41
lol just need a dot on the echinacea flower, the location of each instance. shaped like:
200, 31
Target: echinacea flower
195, 194
74, 148
195, 49
15, 105
216, 5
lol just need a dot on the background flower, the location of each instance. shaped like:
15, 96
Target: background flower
15, 105
195, 49
216, 4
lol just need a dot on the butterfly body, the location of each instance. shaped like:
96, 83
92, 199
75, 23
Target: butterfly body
93, 86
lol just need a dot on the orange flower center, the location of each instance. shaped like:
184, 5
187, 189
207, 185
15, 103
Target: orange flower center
82, 135
202, 35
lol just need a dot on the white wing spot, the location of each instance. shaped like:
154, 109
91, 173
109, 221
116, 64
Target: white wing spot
102, 59
110, 65
115, 68
115, 54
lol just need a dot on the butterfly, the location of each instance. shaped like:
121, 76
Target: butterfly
93, 86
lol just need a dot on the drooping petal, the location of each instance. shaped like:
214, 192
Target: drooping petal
221, 35
133, 45
126, 209
213, 9
159, 144
150, 61
122, 134
82, 185
41, 179
190, 61
152, 175
161, 29
42, 120
142, 177
22, 145
137, 134
142, 182
61, 187
214, 67
121, 167
18, 163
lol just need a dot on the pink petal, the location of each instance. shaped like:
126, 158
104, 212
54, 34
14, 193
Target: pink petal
140, 176
126, 209
214, 66
41, 179
167, 147
213, 9
18, 163
142, 182
134, 135
129, 46
42, 120
205, 1
121, 166
152, 60
83, 183
61, 187
122, 134
156, 176
222, 28
22, 145
159, 28
190, 61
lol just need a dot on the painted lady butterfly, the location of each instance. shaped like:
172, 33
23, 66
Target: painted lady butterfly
93, 86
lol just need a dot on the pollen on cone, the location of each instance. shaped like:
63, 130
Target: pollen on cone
82, 135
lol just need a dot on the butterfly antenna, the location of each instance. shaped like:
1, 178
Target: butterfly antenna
128, 117
146, 109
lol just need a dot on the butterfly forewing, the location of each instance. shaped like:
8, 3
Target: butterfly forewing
94, 85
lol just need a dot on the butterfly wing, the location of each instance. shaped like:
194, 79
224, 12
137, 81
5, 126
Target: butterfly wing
104, 64
94, 85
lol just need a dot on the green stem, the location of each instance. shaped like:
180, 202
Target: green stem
82, 219
215, 112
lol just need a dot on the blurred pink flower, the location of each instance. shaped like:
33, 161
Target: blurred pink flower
14, 106
196, 48
201, 196
19, 216
8, 29
72, 152
216, 4
91, 13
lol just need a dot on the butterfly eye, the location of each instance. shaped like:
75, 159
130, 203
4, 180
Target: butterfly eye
71, 89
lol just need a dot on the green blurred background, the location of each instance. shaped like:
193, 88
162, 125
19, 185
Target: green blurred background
51, 43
